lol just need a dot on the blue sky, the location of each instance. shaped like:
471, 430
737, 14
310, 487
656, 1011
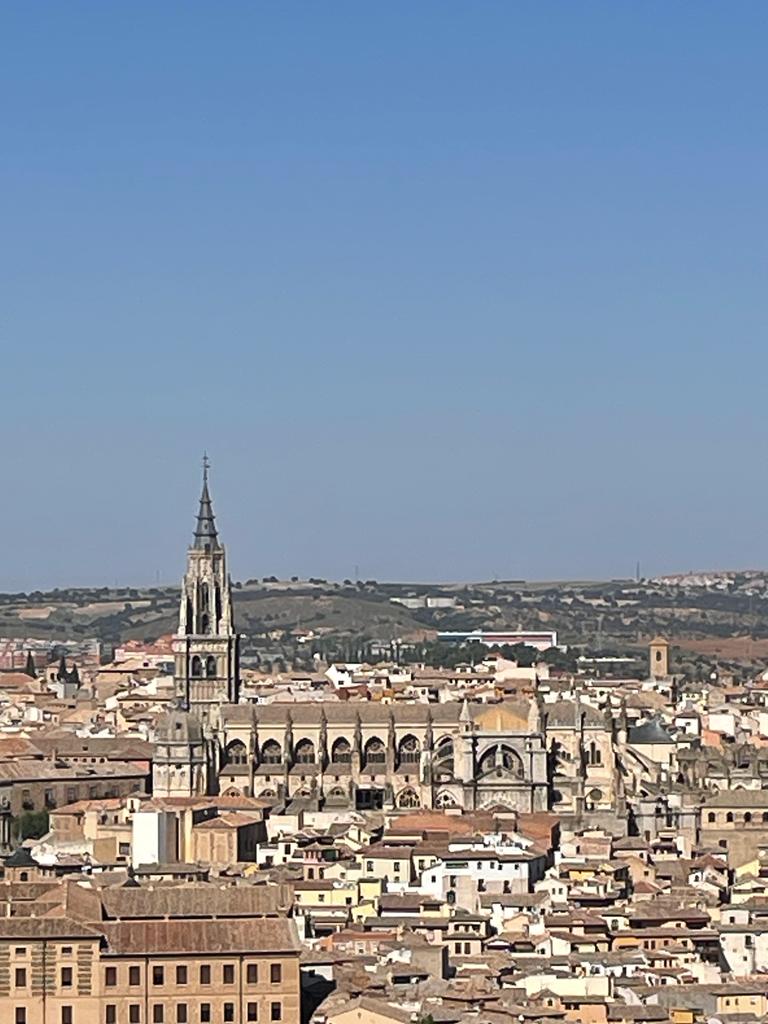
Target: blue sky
447, 290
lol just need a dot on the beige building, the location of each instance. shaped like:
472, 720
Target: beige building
153, 957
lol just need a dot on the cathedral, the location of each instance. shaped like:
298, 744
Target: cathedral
367, 755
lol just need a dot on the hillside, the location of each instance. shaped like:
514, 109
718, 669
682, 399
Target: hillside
718, 616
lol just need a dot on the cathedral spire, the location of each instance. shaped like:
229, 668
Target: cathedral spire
206, 538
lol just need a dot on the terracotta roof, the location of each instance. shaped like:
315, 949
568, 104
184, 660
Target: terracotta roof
256, 935
195, 900
44, 928
228, 820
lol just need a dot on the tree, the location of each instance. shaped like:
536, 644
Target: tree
523, 654
558, 659
62, 673
30, 825
31, 668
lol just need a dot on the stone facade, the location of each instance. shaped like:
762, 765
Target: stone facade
376, 756
207, 648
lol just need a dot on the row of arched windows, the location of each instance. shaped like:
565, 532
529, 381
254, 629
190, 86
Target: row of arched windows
199, 668
209, 612
408, 751
730, 817
374, 752
407, 798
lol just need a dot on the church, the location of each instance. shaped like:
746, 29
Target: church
341, 756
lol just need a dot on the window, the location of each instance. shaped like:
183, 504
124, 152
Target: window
66, 977
66, 1015
158, 1013
229, 1013
181, 1013
252, 974
21, 1015
275, 1011
66, 951
205, 1013
252, 1012
396, 866
228, 974
20, 951
134, 975
110, 1013
275, 974
369, 866
158, 975
181, 974
134, 1013
20, 979
123, 849
205, 975
110, 976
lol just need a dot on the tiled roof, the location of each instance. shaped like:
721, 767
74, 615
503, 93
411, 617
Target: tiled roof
255, 935
189, 901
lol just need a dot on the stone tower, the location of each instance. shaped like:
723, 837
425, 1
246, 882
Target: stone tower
658, 652
207, 648
180, 763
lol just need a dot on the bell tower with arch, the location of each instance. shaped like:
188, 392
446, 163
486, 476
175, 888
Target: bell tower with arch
207, 647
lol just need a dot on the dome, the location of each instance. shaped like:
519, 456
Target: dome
178, 726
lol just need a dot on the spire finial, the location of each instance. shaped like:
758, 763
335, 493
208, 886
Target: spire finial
205, 531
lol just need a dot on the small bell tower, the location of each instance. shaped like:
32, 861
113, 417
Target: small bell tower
658, 653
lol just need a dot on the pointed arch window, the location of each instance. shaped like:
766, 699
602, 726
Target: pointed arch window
409, 750
445, 800
271, 752
237, 753
375, 751
341, 751
407, 798
500, 758
196, 667
305, 752
210, 666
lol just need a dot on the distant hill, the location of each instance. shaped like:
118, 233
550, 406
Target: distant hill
707, 616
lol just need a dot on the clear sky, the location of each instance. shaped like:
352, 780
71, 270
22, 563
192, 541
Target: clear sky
447, 290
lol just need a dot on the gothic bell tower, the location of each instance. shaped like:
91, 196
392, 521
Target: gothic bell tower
207, 648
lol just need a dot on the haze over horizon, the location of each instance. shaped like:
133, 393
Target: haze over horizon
447, 291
